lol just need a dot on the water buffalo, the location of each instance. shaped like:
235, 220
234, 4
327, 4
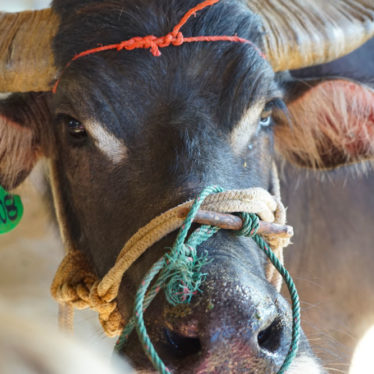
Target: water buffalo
130, 134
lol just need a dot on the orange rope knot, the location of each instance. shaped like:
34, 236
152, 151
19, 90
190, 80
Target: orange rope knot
154, 43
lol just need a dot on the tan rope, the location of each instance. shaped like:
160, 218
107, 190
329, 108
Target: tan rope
76, 285
66, 317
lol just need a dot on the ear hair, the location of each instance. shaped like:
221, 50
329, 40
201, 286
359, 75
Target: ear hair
15, 156
331, 124
25, 135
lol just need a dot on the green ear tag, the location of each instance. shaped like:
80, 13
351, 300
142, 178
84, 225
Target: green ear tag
11, 210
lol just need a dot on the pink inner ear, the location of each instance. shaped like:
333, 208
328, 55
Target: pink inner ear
349, 113
332, 124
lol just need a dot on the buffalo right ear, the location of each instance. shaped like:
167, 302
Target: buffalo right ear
330, 123
25, 135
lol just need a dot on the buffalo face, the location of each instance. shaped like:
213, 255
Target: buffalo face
138, 135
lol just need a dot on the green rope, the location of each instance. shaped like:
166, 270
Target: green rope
249, 229
179, 273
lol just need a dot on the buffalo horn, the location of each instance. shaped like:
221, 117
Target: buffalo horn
26, 59
301, 33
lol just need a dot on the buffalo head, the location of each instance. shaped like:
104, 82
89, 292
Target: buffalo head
129, 135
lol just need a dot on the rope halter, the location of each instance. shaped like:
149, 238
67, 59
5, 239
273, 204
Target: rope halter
76, 285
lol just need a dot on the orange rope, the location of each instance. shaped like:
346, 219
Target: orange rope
153, 43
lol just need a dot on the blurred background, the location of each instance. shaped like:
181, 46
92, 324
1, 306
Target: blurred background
16, 5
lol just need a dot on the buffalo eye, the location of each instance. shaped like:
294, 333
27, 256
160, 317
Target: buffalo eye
73, 127
274, 105
266, 115
265, 120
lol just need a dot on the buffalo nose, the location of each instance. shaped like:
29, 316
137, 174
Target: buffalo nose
268, 338
186, 340
220, 339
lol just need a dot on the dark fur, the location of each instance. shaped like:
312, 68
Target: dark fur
170, 110
175, 115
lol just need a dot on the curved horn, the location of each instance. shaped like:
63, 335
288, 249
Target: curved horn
26, 59
303, 33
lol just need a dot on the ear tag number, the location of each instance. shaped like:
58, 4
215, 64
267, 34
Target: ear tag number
11, 210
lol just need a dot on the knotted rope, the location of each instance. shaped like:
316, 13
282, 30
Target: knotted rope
180, 274
76, 285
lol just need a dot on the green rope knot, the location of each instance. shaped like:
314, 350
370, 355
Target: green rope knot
185, 276
251, 223
179, 274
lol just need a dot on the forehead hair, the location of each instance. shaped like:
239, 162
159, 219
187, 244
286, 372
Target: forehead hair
89, 23
229, 75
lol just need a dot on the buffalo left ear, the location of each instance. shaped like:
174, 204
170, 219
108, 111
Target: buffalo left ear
330, 123
25, 135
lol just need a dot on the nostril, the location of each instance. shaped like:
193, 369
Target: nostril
182, 346
270, 338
